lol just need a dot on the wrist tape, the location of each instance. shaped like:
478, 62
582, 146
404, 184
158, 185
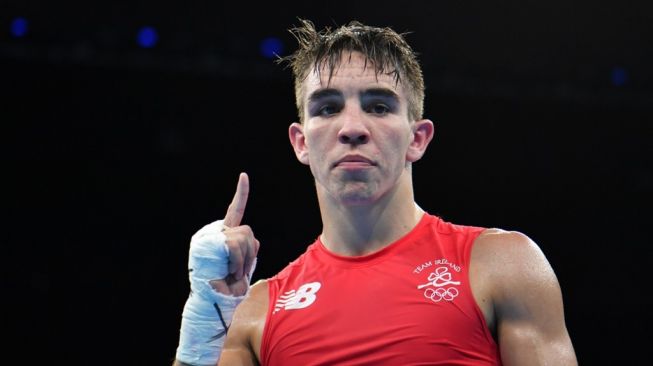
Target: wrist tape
207, 313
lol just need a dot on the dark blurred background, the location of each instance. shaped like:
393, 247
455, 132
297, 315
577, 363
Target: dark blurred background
125, 126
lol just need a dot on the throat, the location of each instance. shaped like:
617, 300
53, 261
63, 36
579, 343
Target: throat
357, 235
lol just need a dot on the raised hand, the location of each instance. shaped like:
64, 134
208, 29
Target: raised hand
241, 244
221, 258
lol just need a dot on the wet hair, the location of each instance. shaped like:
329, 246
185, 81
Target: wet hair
386, 50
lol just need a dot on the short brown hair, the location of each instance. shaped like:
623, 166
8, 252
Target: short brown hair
385, 49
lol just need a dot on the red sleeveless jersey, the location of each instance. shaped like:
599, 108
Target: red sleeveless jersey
408, 304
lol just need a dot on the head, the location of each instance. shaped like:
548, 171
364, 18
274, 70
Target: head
359, 93
384, 50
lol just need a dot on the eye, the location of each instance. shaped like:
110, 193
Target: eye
378, 109
328, 110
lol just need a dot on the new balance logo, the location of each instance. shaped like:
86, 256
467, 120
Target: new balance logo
303, 297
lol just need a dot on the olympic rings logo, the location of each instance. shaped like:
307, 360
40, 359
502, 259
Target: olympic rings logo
441, 293
436, 287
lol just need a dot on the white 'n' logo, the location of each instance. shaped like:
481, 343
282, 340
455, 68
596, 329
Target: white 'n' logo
303, 297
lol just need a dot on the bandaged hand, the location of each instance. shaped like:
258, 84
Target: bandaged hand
222, 258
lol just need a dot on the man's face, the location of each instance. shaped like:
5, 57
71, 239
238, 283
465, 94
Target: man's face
356, 136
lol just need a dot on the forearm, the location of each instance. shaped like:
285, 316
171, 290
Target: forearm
204, 326
208, 310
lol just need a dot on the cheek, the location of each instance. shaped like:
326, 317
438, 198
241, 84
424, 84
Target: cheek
398, 147
397, 143
316, 149
316, 140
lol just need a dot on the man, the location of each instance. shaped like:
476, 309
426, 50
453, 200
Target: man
385, 283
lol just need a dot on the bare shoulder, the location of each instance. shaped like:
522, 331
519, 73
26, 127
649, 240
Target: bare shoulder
522, 292
255, 301
513, 265
499, 260
508, 252
243, 343
502, 241
250, 314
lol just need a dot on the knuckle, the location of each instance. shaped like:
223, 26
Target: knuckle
232, 242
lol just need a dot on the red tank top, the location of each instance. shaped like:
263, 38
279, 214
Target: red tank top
408, 304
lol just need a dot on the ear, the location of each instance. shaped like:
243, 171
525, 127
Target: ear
423, 132
298, 142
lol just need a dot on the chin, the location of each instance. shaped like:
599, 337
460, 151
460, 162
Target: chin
351, 193
356, 202
357, 197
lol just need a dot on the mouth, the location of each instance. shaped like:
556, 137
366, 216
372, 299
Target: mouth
354, 161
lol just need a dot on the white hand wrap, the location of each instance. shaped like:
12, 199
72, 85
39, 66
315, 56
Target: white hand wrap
202, 331
208, 259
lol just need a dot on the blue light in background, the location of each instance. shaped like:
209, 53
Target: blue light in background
271, 47
147, 37
19, 27
619, 76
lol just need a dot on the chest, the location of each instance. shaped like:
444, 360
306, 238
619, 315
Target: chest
404, 311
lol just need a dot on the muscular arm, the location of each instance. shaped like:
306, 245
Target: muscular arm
527, 300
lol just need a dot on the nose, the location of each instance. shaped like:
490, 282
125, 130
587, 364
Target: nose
353, 130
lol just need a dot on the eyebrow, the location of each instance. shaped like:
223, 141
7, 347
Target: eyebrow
379, 93
365, 94
323, 93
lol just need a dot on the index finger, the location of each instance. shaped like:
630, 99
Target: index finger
236, 209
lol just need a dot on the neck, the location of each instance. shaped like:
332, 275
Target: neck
361, 229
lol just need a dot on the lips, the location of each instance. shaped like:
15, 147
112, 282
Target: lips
354, 160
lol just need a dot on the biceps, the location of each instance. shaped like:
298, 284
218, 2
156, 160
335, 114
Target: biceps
528, 304
531, 326
525, 343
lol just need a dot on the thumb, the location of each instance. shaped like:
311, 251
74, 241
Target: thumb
236, 209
